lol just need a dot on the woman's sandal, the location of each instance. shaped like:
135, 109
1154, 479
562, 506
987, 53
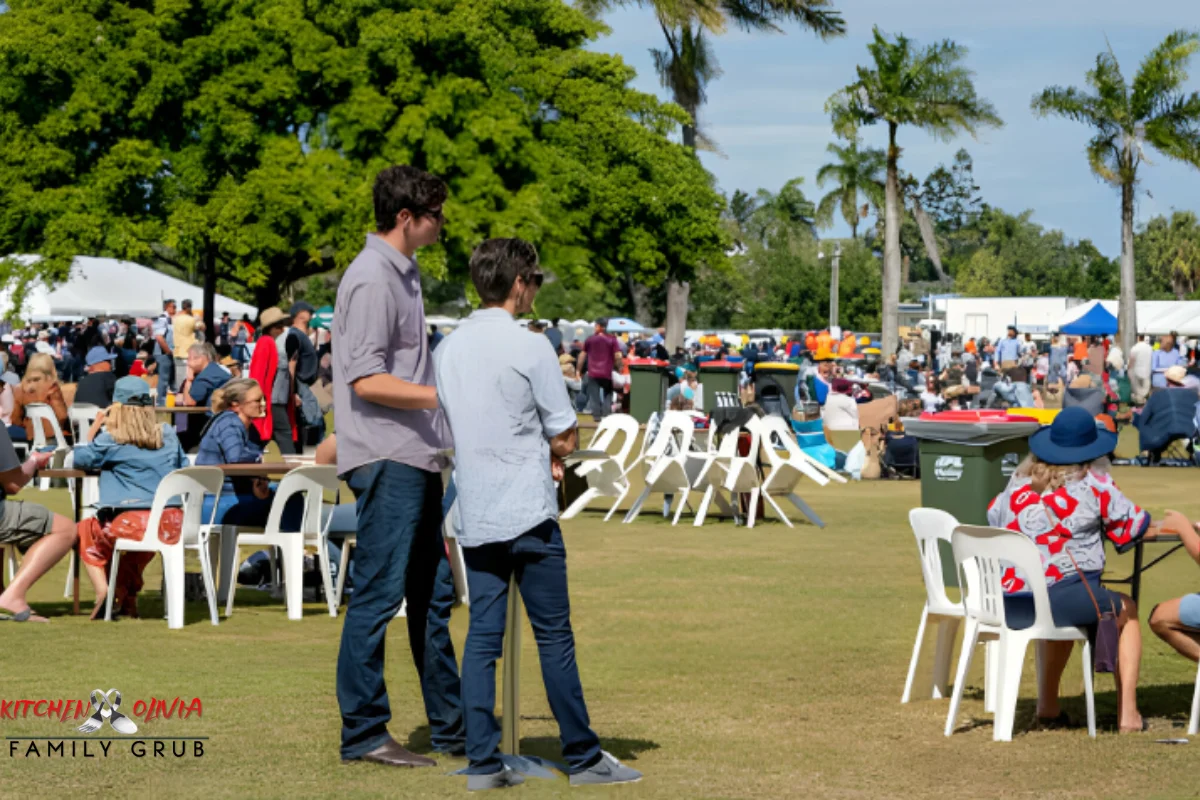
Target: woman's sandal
22, 616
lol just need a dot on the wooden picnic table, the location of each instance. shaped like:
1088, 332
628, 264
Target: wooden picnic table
264, 469
183, 409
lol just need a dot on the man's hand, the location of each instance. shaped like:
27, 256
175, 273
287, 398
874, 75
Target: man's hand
557, 469
41, 459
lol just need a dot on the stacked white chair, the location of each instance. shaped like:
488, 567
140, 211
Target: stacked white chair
786, 473
191, 484
311, 481
607, 477
989, 551
39, 413
726, 471
932, 526
666, 466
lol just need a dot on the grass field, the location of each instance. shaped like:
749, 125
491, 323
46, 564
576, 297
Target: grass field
723, 662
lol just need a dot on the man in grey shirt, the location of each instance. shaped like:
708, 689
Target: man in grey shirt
509, 442
391, 435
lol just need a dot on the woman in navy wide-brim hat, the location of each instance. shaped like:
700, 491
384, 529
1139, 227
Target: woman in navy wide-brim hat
1064, 500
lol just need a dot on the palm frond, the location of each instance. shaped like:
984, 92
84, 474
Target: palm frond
1175, 130
1163, 72
817, 16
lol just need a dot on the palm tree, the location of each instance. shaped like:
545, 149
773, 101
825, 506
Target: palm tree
687, 64
1154, 110
927, 87
854, 172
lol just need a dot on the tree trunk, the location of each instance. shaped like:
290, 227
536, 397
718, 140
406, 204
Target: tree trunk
1127, 307
677, 308
854, 226
209, 265
891, 249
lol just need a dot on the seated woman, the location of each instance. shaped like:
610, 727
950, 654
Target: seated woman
40, 385
1063, 499
840, 412
133, 454
231, 438
1177, 622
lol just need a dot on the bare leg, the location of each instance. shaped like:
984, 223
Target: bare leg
1055, 657
99, 580
1164, 621
1129, 660
44, 554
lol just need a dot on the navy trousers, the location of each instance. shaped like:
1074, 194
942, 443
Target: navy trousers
399, 555
538, 558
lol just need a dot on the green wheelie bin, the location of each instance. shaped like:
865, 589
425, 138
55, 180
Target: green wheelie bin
649, 379
718, 376
784, 373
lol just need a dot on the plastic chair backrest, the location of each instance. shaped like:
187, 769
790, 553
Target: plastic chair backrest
311, 481
931, 525
990, 549
607, 431
82, 415
192, 484
39, 412
673, 422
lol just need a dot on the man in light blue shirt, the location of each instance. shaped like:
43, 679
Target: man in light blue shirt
1008, 349
1166, 356
509, 441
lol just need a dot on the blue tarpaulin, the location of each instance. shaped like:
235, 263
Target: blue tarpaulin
1098, 321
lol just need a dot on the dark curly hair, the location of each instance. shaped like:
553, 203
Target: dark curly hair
403, 187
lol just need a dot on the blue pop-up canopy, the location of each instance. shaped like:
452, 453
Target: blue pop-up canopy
1097, 321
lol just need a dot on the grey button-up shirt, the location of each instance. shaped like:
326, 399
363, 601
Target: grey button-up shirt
503, 393
379, 327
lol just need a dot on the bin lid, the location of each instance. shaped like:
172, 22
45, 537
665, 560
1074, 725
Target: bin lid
776, 366
720, 366
647, 364
956, 427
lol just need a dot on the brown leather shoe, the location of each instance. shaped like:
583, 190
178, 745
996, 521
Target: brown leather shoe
392, 754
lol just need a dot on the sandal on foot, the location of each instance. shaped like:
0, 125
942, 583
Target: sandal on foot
22, 616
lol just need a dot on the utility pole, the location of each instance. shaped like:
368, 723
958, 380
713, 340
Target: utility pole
835, 262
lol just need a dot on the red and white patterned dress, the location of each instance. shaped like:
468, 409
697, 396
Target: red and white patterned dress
1073, 519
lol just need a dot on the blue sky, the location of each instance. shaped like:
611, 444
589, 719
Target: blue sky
766, 112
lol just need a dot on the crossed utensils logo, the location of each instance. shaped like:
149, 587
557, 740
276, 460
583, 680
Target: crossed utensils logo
105, 705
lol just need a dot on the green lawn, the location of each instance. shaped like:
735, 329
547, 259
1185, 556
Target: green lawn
723, 662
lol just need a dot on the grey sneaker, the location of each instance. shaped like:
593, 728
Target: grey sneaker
606, 770
497, 780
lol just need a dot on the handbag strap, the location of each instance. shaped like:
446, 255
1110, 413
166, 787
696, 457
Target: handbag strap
1078, 571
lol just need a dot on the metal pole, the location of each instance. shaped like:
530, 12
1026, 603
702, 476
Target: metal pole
833, 286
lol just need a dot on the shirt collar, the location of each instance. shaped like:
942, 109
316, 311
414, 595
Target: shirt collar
390, 254
495, 312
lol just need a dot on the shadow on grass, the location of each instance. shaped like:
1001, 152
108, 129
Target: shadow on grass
1164, 706
151, 607
546, 747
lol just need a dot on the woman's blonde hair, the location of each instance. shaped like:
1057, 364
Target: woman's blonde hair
1058, 475
233, 392
135, 425
43, 363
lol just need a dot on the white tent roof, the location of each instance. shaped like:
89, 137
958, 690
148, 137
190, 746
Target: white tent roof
1154, 317
108, 287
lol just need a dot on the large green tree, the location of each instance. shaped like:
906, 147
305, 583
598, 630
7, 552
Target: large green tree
1167, 254
239, 140
856, 172
1153, 110
925, 87
687, 64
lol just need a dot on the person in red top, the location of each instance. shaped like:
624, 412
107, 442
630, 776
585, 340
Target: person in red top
598, 355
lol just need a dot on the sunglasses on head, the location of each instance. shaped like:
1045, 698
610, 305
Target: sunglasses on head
534, 278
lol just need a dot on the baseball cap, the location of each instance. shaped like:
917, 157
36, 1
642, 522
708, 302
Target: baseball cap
301, 306
98, 354
132, 391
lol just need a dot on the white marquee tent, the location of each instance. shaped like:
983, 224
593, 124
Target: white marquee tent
1154, 317
110, 288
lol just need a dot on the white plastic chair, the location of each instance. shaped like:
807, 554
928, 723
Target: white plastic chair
930, 527
990, 549
12, 559
41, 412
606, 478
665, 463
191, 484
311, 481
786, 473
726, 471
82, 415
1194, 723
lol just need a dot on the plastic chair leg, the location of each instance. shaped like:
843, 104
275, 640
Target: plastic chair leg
947, 632
113, 564
636, 508
806, 510
1088, 690
991, 676
683, 496
1194, 723
326, 573
702, 512
229, 556
293, 576
70, 573
1012, 659
173, 578
916, 656
753, 507
580, 503
771, 502
206, 574
343, 565
970, 639
620, 499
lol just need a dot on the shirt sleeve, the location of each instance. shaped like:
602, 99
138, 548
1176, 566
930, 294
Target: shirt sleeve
93, 455
549, 391
8, 454
1124, 522
367, 340
291, 345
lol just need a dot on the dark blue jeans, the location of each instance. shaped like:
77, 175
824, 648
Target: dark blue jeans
539, 560
166, 368
399, 555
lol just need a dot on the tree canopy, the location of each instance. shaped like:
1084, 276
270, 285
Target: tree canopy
243, 139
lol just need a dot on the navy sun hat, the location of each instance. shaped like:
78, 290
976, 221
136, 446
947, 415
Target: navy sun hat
98, 354
132, 391
1073, 438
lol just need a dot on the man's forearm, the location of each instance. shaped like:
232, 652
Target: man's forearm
565, 443
390, 391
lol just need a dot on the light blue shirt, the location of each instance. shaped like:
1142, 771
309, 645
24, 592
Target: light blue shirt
1160, 362
502, 391
129, 475
1008, 349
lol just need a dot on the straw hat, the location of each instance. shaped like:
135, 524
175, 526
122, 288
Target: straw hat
273, 316
1176, 374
